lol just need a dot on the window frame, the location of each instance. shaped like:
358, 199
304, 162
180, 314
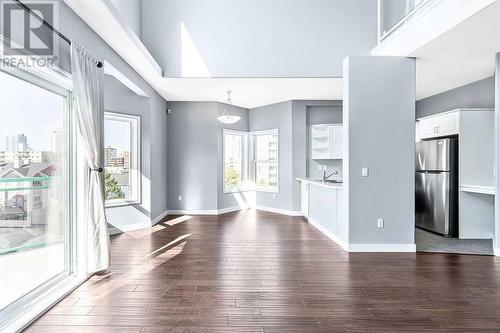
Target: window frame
244, 162
135, 160
60, 83
253, 165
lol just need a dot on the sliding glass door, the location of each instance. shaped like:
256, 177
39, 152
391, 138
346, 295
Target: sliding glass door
35, 180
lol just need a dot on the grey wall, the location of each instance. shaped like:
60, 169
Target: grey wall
194, 139
327, 114
278, 116
479, 94
192, 147
73, 27
379, 117
131, 11
120, 99
260, 38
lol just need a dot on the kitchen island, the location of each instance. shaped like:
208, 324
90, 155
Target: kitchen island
323, 205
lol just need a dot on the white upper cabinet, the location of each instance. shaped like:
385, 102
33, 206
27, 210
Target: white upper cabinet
326, 142
443, 124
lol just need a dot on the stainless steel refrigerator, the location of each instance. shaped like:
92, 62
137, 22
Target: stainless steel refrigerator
436, 186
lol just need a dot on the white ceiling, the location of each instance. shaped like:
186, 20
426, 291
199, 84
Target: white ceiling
104, 19
462, 55
252, 92
454, 43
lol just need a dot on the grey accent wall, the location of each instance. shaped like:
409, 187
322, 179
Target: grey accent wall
479, 94
278, 116
192, 153
131, 11
379, 120
327, 114
73, 27
258, 38
195, 140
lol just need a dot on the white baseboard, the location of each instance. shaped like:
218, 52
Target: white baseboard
193, 212
496, 251
233, 209
114, 231
363, 247
330, 235
204, 212
278, 211
159, 218
382, 248
230, 209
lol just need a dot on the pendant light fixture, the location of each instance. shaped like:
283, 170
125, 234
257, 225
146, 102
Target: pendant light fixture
226, 117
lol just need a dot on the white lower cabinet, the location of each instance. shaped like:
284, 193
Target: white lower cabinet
304, 199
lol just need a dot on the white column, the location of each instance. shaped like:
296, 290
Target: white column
379, 158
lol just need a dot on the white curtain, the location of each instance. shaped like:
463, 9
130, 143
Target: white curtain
86, 91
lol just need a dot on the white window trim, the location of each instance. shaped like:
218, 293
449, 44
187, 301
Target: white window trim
272, 131
20, 313
135, 160
244, 177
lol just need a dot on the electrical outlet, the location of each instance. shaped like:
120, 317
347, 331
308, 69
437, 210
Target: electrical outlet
320, 167
365, 172
380, 223
180, 197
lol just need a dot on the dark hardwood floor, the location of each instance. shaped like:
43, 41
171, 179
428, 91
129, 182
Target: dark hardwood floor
260, 272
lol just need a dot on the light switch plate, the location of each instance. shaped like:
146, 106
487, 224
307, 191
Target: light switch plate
180, 197
364, 172
380, 223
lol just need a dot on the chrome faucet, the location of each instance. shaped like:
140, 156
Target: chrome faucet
325, 177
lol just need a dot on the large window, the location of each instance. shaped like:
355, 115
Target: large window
234, 160
261, 148
36, 217
121, 159
265, 160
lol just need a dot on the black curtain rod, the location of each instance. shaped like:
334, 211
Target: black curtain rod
47, 24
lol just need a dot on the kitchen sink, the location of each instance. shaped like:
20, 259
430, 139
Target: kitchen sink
331, 181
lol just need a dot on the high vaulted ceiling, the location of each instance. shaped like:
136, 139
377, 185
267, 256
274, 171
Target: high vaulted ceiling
265, 52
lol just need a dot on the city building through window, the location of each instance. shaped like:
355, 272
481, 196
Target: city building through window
36, 231
265, 160
121, 159
261, 148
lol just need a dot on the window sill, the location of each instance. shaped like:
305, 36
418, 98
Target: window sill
240, 190
43, 303
266, 190
251, 190
121, 203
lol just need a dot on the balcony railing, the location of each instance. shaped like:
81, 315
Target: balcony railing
23, 220
393, 14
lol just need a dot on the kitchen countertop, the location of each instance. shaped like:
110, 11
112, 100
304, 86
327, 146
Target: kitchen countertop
337, 186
